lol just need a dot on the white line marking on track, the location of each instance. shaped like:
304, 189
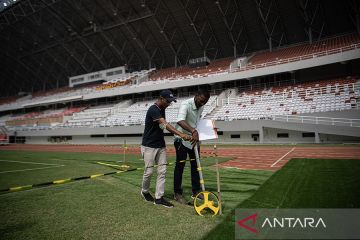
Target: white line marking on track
31, 169
282, 157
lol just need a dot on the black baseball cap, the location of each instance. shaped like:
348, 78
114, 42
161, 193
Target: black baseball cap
167, 94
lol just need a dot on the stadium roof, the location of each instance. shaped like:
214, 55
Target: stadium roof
44, 42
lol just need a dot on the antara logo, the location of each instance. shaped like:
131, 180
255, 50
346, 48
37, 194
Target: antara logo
288, 222
251, 217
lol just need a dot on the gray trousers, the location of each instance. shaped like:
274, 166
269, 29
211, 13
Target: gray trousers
154, 156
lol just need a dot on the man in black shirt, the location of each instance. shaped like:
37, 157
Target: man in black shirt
154, 148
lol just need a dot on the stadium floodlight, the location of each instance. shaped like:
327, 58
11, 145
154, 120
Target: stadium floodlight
4, 4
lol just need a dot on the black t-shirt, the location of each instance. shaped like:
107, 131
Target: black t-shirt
153, 135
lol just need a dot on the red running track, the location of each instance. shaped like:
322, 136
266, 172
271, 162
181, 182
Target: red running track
242, 157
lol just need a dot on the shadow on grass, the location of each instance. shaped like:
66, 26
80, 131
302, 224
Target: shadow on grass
301, 183
8, 230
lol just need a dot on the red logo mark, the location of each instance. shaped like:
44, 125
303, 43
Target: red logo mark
251, 217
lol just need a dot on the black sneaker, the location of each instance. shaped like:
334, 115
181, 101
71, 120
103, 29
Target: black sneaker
147, 196
179, 198
163, 202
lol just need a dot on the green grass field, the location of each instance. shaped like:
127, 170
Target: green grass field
110, 207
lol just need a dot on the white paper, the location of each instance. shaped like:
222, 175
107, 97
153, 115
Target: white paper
206, 129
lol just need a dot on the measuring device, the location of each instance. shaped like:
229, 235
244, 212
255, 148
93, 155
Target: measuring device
205, 202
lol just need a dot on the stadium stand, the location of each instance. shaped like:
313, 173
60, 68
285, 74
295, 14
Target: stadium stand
127, 79
88, 117
215, 67
91, 91
84, 79
221, 66
8, 100
303, 51
37, 120
321, 96
103, 116
135, 113
291, 98
3, 139
262, 59
51, 92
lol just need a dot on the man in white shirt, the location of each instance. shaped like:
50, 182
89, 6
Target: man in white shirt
189, 115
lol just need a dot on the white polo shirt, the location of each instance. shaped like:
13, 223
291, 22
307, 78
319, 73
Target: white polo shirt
189, 113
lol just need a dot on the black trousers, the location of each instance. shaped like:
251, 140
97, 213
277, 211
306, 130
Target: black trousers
181, 154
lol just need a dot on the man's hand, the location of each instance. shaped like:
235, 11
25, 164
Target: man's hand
195, 137
186, 137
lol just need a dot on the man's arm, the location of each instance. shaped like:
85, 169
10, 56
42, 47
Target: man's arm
187, 127
171, 129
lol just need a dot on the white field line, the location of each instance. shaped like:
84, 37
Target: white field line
282, 157
30, 169
50, 165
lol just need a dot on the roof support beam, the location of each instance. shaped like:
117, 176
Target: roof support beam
21, 10
353, 9
65, 22
173, 33
55, 60
153, 52
161, 30
72, 37
108, 40
311, 12
136, 38
230, 27
271, 21
192, 24
73, 55
36, 75
214, 37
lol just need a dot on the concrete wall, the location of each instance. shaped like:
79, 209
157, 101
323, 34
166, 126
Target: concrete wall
350, 114
86, 139
244, 128
328, 138
270, 137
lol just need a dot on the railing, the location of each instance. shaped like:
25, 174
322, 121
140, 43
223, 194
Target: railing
318, 120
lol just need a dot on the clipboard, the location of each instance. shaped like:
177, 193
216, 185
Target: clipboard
206, 129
